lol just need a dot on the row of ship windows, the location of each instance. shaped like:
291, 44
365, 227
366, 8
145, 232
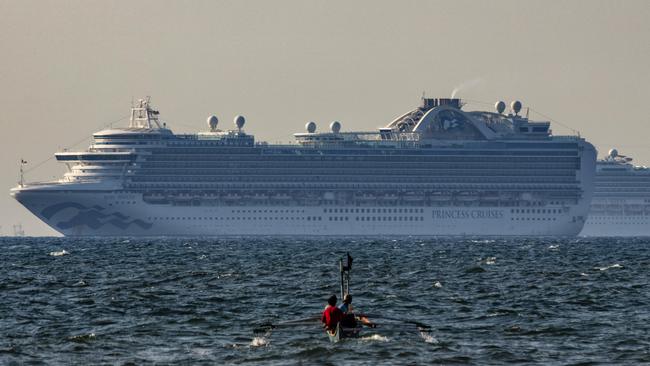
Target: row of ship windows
618, 217
619, 222
351, 178
179, 141
122, 203
569, 191
313, 170
357, 152
307, 218
268, 211
535, 210
310, 172
373, 210
345, 164
532, 219
410, 159
387, 218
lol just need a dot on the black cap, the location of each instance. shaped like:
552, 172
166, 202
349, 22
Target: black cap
332, 300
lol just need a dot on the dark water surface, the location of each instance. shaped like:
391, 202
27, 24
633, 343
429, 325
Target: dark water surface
182, 301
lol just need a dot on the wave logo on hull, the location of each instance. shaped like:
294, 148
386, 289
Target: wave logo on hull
93, 217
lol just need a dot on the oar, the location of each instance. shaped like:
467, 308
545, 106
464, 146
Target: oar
265, 327
408, 321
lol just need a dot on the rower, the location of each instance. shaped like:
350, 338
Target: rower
332, 314
349, 320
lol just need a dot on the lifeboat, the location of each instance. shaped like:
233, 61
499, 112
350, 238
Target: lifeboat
440, 197
364, 197
413, 197
389, 197
466, 196
281, 197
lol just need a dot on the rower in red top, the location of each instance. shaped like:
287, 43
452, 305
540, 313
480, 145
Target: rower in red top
332, 314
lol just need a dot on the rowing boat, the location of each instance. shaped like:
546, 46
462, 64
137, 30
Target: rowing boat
342, 333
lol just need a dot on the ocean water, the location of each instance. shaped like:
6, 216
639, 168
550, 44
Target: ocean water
199, 301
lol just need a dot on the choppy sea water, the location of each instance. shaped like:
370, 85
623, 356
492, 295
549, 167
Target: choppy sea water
181, 301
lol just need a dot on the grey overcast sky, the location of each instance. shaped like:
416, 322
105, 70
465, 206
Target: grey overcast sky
69, 67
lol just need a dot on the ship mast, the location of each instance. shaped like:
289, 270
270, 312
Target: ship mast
143, 116
22, 172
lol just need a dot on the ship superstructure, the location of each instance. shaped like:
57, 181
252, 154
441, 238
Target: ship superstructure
621, 202
435, 170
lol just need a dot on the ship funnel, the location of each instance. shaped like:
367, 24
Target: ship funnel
429, 103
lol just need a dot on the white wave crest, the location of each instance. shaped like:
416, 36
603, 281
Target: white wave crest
437, 284
485, 241
428, 338
615, 265
60, 253
375, 337
259, 342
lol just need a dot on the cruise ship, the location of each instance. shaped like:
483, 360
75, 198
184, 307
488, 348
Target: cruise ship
621, 202
435, 170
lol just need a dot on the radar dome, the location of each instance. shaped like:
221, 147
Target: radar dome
335, 126
613, 153
516, 106
311, 127
212, 122
500, 106
240, 121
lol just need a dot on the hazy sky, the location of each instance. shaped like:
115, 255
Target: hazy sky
69, 67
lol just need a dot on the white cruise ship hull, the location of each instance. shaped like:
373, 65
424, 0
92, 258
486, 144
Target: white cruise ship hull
435, 170
618, 217
623, 226
97, 213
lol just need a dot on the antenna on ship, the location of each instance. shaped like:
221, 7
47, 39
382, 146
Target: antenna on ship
142, 115
22, 172
18, 230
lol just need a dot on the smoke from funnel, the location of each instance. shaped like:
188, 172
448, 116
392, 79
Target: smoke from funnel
466, 85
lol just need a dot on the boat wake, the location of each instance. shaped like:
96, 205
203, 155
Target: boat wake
60, 253
375, 337
259, 342
616, 265
427, 337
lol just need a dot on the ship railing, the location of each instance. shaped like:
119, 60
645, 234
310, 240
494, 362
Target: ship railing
567, 137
